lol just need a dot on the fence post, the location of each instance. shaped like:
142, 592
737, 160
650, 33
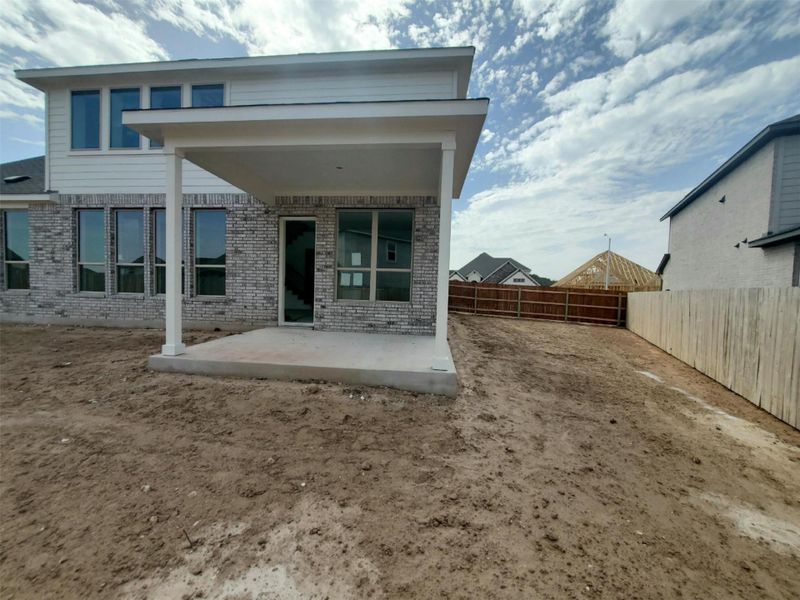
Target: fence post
566, 307
475, 299
519, 300
619, 310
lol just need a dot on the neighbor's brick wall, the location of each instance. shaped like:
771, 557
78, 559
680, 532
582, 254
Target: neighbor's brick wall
703, 236
252, 265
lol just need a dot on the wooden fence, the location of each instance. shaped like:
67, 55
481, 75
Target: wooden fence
746, 339
529, 302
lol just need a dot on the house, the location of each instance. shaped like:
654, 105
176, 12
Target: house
309, 190
609, 270
740, 227
488, 269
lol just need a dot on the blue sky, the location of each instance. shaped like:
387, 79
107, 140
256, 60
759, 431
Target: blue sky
603, 113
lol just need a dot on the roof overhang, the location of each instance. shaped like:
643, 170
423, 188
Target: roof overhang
413, 59
773, 239
354, 146
24, 200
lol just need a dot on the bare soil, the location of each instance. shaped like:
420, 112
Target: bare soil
576, 462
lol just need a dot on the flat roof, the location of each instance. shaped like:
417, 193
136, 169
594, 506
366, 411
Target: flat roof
459, 58
790, 126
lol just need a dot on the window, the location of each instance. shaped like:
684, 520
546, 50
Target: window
209, 252
208, 95
122, 136
16, 250
373, 259
130, 251
85, 124
519, 280
91, 251
160, 246
164, 97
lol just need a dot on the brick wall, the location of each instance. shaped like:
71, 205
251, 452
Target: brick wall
251, 271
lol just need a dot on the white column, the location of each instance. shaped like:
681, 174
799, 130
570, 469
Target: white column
174, 244
441, 356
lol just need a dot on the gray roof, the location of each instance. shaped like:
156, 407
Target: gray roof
790, 126
499, 275
779, 237
486, 265
30, 172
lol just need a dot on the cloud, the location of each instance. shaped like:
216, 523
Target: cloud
18, 116
26, 141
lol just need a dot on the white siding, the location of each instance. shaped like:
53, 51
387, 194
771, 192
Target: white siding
434, 85
703, 236
786, 192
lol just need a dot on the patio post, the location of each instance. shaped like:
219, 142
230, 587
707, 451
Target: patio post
174, 241
441, 356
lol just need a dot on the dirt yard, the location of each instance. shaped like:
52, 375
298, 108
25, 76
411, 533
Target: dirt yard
576, 462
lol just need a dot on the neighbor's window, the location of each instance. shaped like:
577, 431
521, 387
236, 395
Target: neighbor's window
164, 97
519, 280
209, 252
373, 258
160, 245
122, 136
91, 251
85, 120
130, 251
208, 95
16, 250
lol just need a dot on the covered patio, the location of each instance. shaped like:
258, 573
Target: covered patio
363, 149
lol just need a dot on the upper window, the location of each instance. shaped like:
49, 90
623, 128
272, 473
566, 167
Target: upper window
164, 97
373, 257
91, 251
130, 250
16, 250
208, 95
122, 136
85, 125
209, 252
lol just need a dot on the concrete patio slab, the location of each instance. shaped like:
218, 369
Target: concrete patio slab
397, 361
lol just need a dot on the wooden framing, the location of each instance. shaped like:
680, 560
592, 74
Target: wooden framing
624, 275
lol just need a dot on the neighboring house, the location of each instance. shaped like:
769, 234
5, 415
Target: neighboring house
741, 226
621, 274
488, 269
307, 190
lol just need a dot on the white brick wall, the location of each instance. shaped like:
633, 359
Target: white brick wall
703, 236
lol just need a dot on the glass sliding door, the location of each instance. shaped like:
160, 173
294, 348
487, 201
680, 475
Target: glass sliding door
298, 271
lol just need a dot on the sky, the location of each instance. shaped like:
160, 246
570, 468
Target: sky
603, 113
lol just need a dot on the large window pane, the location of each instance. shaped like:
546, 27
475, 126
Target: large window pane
17, 241
393, 286
210, 281
395, 231
209, 237
91, 236
164, 97
160, 251
92, 278
122, 136
130, 236
130, 279
17, 276
354, 246
85, 124
208, 95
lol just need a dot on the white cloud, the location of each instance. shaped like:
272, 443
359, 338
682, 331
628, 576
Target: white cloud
30, 142
551, 17
18, 116
487, 135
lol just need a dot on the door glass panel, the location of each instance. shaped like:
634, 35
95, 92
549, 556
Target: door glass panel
298, 272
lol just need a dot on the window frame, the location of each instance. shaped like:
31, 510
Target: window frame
374, 269
150, 89
156, 265
81, 263
111, 91
117, 263
195, 266
207, 85
100, 128
7, 262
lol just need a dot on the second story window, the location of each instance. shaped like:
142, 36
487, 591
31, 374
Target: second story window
85, 120
208, 95
121, 136
164, 97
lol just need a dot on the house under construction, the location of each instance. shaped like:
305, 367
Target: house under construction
623, 275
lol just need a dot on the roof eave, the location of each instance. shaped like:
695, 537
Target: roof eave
774, 239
